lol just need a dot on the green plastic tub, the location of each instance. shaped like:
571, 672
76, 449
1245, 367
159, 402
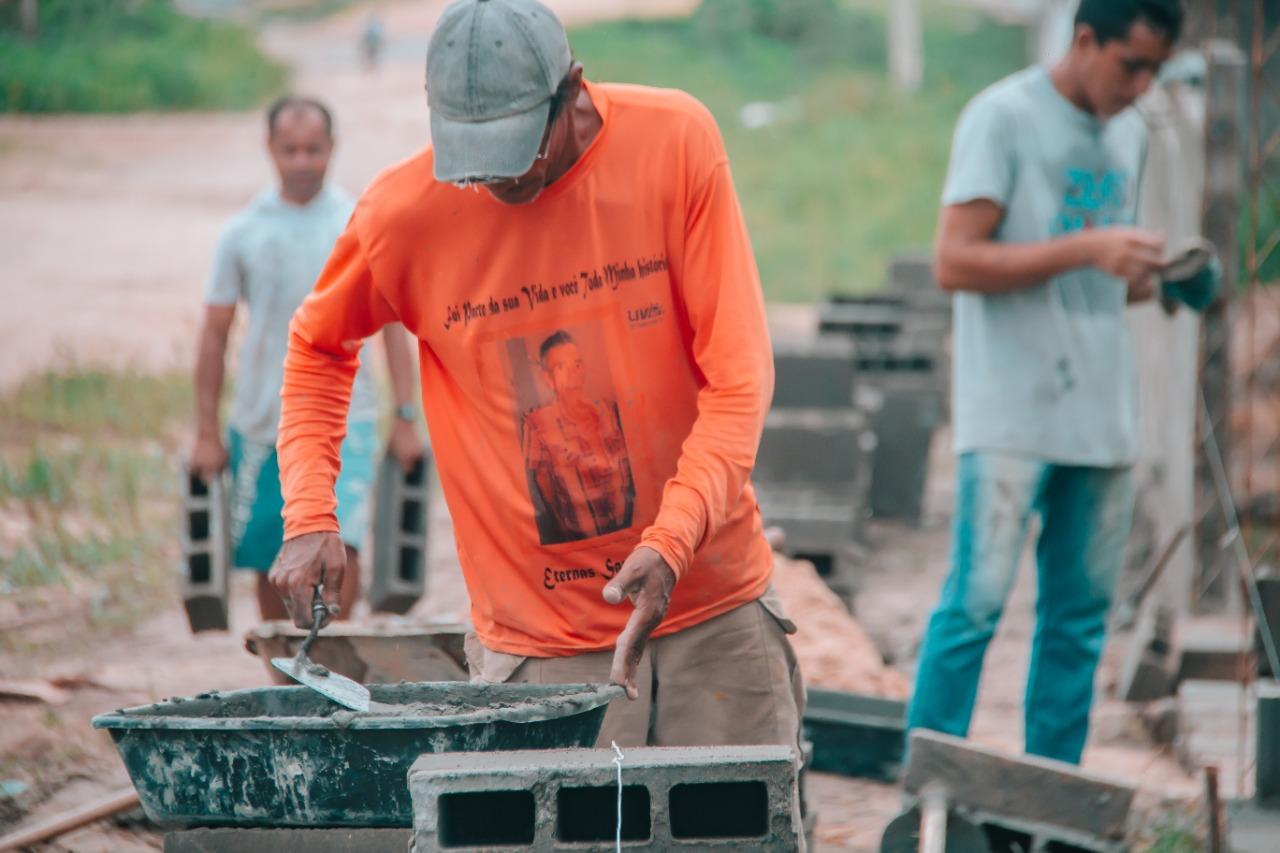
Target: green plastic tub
286, 756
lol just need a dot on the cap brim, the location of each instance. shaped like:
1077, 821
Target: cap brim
499, 148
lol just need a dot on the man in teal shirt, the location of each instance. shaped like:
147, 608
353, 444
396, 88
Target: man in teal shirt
267, 260
1036, 241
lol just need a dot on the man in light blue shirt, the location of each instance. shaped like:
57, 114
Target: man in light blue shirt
1036, 240
267, 260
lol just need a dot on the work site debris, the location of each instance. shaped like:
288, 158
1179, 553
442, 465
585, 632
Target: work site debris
832, 648
33, 691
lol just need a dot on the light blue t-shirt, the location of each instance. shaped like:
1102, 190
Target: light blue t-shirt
1049, 370
269, 257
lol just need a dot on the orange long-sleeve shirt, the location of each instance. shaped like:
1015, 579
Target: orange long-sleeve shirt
595, 373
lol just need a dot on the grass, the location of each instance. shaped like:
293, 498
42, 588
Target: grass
89, 489
129, 55
854, 173
1171, 835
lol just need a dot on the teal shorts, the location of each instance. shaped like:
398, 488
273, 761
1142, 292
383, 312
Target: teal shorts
257, 528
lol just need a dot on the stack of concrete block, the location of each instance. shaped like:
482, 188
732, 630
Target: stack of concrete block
813, 470
900, 375
904, 385
739, 798
812, 474
400, 535
206, 552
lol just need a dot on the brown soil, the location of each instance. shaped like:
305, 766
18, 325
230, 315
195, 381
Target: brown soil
833, 650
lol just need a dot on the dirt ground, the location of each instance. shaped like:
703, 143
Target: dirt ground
106, 226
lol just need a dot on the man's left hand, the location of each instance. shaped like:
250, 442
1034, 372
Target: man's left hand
647, 580
405, 444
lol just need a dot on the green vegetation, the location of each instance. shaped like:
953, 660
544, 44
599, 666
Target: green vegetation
1174, 833
89, 489
126, 55
851, 171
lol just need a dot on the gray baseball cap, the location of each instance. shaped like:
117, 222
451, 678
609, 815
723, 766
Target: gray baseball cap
492, 69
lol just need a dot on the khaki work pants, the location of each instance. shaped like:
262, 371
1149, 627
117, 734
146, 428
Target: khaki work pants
731, 680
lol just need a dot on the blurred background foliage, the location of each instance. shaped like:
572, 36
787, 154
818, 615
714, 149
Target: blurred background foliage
128, 55
836, 170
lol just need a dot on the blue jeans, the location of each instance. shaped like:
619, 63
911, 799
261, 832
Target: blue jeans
1085, 515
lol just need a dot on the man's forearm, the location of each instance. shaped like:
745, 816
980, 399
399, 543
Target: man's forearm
209, 374
314, 401
988, 266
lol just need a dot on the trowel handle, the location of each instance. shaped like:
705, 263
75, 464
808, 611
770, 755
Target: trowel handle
319, 610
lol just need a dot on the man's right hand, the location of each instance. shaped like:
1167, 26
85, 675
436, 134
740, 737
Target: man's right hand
303, 563
1129, 254
208, 456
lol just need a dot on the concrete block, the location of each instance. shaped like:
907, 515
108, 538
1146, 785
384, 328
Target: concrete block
674, 798
1269, 592
1147, 672
1214, 658
274, 840
400, 536
911, 276
855, 735
1267, 754
1026, 794
1209, 716
1251, 828
902, 381
840, 567
813, 372
812, 476
817, 521
816, 448
904, 428
206, 552
864, 318
911, 273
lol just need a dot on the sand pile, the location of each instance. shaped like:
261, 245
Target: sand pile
833, 650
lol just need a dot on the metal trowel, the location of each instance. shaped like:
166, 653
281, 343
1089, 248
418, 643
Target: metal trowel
338, 688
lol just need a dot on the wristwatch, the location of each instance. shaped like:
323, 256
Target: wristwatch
407, 412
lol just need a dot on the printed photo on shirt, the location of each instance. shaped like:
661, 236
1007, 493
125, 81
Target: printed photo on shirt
575, 455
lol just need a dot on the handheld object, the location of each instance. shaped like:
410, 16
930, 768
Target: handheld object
1192, 275
302, 669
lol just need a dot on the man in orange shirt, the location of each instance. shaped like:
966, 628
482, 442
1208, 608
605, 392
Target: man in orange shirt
572, 259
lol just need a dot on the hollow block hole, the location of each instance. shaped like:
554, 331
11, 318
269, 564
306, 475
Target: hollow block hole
591, 814
478, 818
719, 810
